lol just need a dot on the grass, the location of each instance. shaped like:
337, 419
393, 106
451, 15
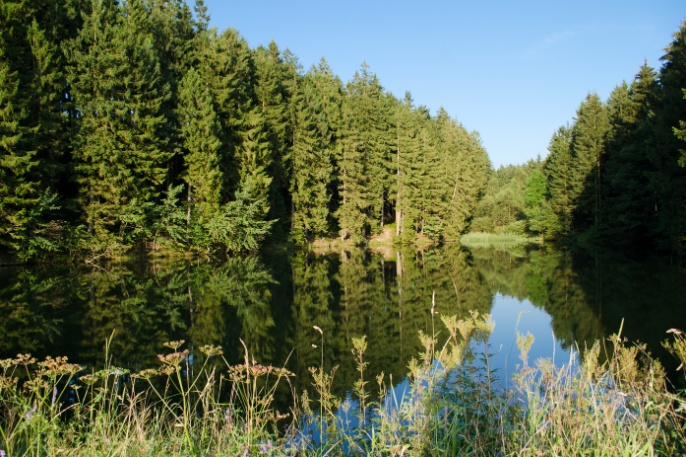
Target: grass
501, 241
454, 405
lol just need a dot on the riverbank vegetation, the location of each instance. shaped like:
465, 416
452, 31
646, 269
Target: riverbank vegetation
133, 125
195, 403
614, 176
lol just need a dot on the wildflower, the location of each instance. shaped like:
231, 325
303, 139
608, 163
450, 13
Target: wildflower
174, 359
145, 374
210, 350
265, 447
88, 379
6, 382
2, 453
175, 345
29, 414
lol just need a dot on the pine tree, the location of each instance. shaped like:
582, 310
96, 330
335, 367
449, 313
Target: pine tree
588, 147
29, 125
227, 62
465, 167
405, 153
315, 152
629, 203
276, 81
121, 153
668, 180
365, 159
559, 172
200, 133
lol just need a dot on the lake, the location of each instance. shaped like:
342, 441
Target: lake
272, 303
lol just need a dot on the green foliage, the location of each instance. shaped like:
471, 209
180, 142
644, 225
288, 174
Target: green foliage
240, 224
315, 153
200, 133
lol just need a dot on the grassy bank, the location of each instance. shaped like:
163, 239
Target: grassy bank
504, 240
453, 405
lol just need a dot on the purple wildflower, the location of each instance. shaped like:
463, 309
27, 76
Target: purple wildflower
28, 416
265, 447
2, 453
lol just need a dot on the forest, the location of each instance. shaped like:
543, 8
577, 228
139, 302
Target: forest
133, 125
613, 177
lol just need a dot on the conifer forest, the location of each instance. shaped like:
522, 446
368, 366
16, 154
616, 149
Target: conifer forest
132, 125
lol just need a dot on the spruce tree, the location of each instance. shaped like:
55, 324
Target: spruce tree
588, 147
365, 160
629, 198
200, 133
276, 84
668, 180
407, 125
121, 154
559, 172
315, 152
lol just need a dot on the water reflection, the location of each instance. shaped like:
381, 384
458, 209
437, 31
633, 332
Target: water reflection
273, 303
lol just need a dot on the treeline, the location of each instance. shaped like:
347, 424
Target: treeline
132, 123
615, 175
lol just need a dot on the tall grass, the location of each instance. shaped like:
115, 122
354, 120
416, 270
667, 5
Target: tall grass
453, 404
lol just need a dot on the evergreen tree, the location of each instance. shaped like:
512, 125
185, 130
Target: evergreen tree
364, 164
121, 154
668, 179
200, 132
315, 152
227, 62
588, 147
559, 171
630, 200
276, 85
34, 146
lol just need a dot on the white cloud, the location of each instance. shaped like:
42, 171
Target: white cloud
548, 43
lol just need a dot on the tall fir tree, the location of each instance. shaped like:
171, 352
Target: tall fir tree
407, 125
558, 169
121, 154
669, 179
276, 86
200, 133
630, 200
365, 159
589, 135
315, 152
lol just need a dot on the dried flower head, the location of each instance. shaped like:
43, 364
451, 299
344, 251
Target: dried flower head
174, 359
89, 379
7, 363
174, 345
166, 370
24, 359
59, 366
145, 374
254, 370
210, 350
6, 382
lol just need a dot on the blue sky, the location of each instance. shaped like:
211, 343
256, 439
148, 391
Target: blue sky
512, 71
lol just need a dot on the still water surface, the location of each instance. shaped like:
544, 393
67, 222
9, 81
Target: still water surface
272, 302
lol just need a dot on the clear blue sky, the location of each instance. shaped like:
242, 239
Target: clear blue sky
512, 71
